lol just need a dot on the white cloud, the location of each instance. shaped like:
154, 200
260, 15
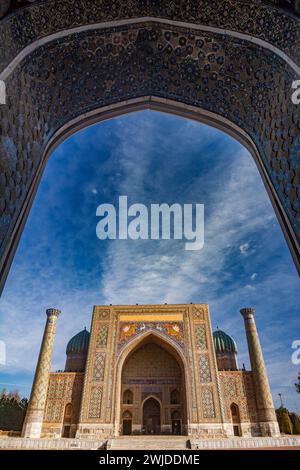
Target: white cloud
248, 286
244, 248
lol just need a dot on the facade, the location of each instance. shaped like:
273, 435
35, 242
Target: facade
151, 369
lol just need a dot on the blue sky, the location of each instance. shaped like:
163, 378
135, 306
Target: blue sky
151, 158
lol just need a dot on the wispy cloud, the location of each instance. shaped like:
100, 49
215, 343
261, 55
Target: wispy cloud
236, 207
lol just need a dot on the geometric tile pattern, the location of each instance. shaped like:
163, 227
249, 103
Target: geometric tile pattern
103, 314
95, 402
40, 384
63, 388
237, 387
101, 339
54, 411
99, 365
198, 313
208, 403
263, 392
204, 368
230, 387
200, 336
57, 389
258, 19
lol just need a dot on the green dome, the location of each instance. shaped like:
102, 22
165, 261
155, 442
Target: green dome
79, 343
224, 343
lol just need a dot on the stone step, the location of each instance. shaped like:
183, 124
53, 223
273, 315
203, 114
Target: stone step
148, 443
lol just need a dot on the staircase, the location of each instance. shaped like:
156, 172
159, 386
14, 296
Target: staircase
148, 443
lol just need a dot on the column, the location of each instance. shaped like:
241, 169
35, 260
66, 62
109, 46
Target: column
266, 413
32, 426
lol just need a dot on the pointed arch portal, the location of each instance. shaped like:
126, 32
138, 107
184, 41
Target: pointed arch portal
231, 65
152, 370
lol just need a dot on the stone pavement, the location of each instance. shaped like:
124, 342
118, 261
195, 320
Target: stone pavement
152, 443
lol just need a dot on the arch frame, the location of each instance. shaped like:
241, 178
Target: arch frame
195, 113
130, 347
67, 423
158, 104
236, 423
288, 219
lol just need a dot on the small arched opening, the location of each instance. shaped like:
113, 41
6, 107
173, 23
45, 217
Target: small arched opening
175, 397
127, 397
176, 422
235, 419
127, 423
67, 422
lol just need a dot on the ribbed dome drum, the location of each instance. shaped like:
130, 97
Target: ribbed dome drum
224, 343
76, 351
79, 343
226, 350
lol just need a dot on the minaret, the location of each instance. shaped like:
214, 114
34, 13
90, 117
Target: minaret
266, 413
32, 426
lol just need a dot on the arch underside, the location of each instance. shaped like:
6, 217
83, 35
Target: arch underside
80, 77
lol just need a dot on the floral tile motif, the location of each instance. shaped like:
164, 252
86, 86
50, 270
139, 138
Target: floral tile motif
130, 330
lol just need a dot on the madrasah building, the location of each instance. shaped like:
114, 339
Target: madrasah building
151, 369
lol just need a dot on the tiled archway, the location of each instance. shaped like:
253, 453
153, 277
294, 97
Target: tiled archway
230, 63
151, 367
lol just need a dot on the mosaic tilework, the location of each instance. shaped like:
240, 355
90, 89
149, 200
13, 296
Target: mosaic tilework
230, 387
208, 406
40, 384
63, 388
198, 313
129, 330
99, 366
103, 314
237, 387
252, 18
211, 71
204, 369
95, 402
54, 411
200, 336
101, 339
188, 67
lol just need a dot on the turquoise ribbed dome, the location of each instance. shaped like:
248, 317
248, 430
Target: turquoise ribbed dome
79, 343
224, 343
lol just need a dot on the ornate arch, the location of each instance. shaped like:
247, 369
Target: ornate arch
230, 62
133, 345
